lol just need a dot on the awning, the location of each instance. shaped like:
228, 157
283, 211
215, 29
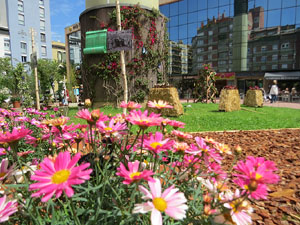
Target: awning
295, 75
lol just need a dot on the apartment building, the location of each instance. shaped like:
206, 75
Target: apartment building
18, 21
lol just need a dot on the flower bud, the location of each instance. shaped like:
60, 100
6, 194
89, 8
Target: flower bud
253, 185
95, 114
207, 198
87, 103
238, 150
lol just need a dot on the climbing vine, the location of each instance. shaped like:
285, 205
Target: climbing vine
205, 84
148, 55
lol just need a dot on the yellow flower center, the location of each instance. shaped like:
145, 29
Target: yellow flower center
257, 176
2, 174
108, 129
155, 144
60, 176
133, 175
160, 204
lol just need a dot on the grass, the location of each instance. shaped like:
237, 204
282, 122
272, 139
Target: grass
206, 117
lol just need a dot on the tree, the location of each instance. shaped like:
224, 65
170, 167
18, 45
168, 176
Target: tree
49, 71
16, 80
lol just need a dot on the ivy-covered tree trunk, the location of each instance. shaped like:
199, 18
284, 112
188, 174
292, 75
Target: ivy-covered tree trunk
145, 64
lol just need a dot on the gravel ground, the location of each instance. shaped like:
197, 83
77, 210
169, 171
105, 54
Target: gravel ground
283, 147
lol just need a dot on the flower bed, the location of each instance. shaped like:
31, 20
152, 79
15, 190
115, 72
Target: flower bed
125, 178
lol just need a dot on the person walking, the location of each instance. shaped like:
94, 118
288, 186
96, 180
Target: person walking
274, 92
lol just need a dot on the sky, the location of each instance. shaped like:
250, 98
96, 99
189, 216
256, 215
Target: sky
64, 13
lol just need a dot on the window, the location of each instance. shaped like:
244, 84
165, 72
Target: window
263, 48
24, 59
210, 32
41, 2
222, 62
284, 66
254, 50
43, 37
200, 58
254, 59
263, 58
249, 50
230, 26
284, 57
230, 61
23, 48
199, 50
6, 45
230, 53
274, 66
20, 6
263, 67
230, 35
42, 12
275, 46
200, 42
59, 56
7, 55
44, 50
256, 19
223, 55
285, 45
209, 48
223, 30
21, 19
209, 56
42, 25
274, 57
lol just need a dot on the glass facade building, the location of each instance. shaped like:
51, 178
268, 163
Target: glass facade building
254, 41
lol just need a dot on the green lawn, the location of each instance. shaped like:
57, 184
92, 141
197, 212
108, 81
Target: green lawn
206, 117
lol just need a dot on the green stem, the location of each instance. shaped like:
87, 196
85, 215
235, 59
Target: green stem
77, 221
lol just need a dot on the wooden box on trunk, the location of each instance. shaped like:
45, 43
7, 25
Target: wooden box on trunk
254, 98
229, 100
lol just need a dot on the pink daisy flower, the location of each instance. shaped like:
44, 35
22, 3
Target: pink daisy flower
133, 174
175, 124
130, 105
254, 174
4, 170
14, 136
91, 117
181, 135
170, 201
58, 175
208, 153
222, 148
180, 147
156, 143
239, 210
7, 208
143, 120
159, 104
21, 154
112, 129
219, 174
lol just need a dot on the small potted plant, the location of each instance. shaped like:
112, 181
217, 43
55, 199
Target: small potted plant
16, 101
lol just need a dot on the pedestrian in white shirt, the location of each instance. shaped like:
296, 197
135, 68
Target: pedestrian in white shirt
274, 92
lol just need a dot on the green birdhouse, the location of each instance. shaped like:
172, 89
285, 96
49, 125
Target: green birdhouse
95, 42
